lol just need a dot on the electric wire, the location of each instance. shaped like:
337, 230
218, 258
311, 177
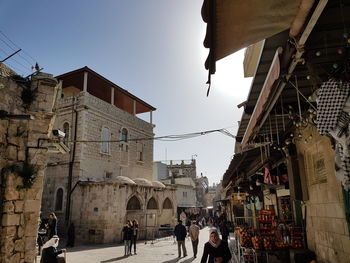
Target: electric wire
24, 52
160, 138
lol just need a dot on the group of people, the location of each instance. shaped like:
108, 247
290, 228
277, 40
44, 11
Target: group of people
48, 240
130, 231
216, 250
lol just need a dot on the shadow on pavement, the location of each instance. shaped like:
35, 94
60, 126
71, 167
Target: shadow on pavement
177, 259
92, 247
172, 260
113, 259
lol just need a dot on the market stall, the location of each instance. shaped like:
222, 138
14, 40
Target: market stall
273, 237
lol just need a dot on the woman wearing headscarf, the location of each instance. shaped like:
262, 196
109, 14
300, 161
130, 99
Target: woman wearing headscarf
50, 252
216, 249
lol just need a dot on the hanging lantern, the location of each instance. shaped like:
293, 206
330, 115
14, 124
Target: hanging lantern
318, 53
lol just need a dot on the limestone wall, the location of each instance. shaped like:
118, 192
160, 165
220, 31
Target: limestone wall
90, 115
20, 206
327, 231
100, 210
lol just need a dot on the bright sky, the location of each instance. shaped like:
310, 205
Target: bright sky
151, 48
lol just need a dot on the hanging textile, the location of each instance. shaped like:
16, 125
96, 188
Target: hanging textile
342, 169
341, 133
330, 103
267, 176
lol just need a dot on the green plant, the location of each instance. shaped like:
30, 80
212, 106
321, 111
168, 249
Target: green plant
28, 94
28, 173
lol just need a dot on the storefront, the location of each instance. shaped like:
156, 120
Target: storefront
305, 192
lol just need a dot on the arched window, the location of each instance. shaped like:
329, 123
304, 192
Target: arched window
152, 204
167, 204
105, 138
124, 135
66, 130
59, 199
133, 204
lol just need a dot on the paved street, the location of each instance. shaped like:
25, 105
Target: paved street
162, 251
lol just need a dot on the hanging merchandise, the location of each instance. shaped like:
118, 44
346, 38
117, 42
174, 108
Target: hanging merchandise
330, 103
342, 137
267, 176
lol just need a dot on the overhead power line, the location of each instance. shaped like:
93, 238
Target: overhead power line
177, 137
21, 58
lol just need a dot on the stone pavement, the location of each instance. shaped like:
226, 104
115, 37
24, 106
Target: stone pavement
161, 251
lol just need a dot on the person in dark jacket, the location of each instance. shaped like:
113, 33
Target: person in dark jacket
127, 235
216, 249
224, 230
135, 229
180, 232
52, 231
50, 253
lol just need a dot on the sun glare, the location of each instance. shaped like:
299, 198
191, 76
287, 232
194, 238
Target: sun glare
229, 78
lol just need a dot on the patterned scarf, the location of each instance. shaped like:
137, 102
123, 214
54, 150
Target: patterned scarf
218, 242
330, 103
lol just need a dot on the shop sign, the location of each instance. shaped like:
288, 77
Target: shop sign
238, 197
283, 192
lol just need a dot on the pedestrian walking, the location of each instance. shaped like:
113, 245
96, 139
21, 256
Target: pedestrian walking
50, 252
135, 230
224, 230
52, 226
216, 249
127, 234
180, 232
194, 234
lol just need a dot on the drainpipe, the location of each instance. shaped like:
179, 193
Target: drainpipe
71, 165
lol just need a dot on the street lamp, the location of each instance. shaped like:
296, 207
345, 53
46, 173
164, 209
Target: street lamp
193, 155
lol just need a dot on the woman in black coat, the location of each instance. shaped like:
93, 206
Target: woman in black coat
50, 253
216, 249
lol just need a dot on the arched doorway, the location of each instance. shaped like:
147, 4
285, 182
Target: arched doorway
167, 216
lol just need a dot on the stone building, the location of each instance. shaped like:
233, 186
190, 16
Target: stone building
110, 160
26, 117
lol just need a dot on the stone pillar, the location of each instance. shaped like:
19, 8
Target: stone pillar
20, 205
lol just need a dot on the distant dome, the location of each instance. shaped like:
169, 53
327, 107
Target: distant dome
142, 181
124, 180
158, 184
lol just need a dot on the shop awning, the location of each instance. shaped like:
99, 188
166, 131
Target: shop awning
235, 24
246, 163
271, 77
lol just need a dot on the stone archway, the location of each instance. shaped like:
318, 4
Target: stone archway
167, 214
133, 204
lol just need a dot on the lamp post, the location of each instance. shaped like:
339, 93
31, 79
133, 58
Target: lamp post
193, 155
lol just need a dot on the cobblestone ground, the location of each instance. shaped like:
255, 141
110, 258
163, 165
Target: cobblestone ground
161, 251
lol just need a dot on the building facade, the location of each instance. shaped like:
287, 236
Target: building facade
107, 143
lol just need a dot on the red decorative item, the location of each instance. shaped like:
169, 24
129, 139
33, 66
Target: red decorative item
267, 176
